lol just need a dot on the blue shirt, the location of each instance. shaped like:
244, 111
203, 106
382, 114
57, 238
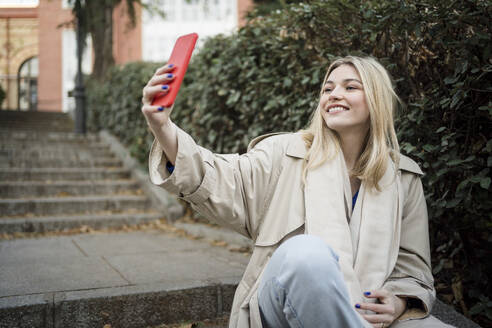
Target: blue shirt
354, 199
169, 167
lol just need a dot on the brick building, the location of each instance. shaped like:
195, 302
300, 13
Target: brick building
38, 54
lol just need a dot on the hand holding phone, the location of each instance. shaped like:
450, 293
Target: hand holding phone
180, 58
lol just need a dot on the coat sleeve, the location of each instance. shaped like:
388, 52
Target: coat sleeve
412, 275
231, 189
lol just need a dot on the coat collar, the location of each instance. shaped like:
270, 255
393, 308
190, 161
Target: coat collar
296, 146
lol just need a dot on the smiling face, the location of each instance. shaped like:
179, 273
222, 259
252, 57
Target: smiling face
343, 102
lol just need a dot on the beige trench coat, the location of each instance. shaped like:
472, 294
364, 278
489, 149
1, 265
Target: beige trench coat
260, 195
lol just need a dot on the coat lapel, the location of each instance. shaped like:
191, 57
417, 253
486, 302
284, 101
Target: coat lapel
379, 231
326, 216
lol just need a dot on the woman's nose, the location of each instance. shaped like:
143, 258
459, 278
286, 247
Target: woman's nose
335, 94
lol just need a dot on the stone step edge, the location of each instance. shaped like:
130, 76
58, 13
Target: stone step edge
72, 199
64, 159
60, 223
14, 134
63, 170
21, 144
123, 182
145, 305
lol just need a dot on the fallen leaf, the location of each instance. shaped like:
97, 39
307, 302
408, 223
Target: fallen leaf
218, 243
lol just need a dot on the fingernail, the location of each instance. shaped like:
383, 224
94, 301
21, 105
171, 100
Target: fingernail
367, 293
165, 87
170, 65
169, 75
160, 108
357, 306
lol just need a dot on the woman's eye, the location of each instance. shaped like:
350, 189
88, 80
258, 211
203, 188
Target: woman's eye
351, 87
327, 90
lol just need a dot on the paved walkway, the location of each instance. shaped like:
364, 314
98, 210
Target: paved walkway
115, 275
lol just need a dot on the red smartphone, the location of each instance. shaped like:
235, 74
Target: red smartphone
180, 57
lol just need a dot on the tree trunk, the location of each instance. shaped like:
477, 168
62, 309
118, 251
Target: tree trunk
101, 30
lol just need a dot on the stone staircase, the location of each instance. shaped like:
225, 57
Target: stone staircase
52, 179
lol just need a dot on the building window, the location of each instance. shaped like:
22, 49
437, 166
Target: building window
18, 3
27, 79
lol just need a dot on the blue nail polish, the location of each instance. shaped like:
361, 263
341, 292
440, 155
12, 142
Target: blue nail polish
160, 108
170, 65
169, 75
165, 87
367, 293
357, 306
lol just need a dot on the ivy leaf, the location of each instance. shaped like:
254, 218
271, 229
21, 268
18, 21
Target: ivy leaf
454, 162
485, 183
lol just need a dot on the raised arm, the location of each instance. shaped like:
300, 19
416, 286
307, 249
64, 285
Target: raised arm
231, 190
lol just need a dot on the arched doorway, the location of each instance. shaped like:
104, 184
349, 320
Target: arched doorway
27, 79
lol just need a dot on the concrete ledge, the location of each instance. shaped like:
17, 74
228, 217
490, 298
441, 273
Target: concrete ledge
166, 203
27, 311
449, 315
134, 306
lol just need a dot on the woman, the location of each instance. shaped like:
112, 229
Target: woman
338, 217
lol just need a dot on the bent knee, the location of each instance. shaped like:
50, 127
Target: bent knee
308, 256
307, 245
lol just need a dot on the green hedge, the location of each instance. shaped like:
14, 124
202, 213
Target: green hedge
266, 78
115, 106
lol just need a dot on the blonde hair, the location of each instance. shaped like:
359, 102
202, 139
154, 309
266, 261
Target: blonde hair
381, 141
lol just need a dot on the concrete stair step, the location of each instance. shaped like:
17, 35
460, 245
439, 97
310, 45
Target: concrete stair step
60, 156
28, 162
10, 208
33, 121
19, 189
67, 222
49, 145
55, 152
54, 127
67, 137
27, 125
32, 115
57, 174
9, 121
26, 120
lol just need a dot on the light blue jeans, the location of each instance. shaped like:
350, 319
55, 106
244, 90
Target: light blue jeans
302, 286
